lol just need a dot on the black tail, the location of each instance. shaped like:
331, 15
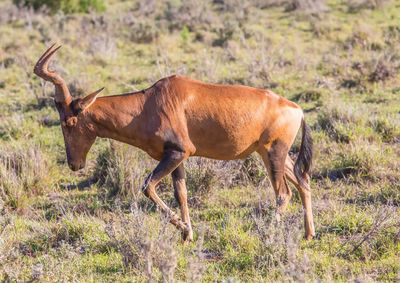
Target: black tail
304, 160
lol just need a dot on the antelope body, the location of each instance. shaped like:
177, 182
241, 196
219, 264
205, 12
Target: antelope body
179, 117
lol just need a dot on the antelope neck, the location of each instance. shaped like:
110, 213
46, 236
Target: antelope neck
117, 117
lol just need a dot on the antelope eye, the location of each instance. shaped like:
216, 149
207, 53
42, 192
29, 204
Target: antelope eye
71, 121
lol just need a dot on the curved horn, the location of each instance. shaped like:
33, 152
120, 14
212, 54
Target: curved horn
41, 69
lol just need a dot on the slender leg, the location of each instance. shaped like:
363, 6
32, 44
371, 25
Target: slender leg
170, 161
180, 192
305, 194
274, 159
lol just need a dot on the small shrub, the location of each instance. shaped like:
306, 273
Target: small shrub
99, 34
103, 46
253, 170
356, 161
121, 172
392, 35
307, 6
263, 4
79, 86
387, 129
139, 30
367, 37
194, 14
262, 66
200, 179
381, 70
203, 175
185, 35
225, 33
338, 124
86, 234
21, 174
308, 95
8, 13
321, 28
147, 256
357, 5
278, 251
67, 6
225, 174
388, 194
379, 237
38, 240
362, 36
236, 9
351, 83
11, 128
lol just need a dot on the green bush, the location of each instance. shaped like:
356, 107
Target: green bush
338, 123
67, 6
386, 128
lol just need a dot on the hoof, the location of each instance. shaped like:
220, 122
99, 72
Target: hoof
278, 217
309, 236
187, 235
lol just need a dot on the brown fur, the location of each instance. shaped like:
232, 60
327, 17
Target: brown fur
179, 117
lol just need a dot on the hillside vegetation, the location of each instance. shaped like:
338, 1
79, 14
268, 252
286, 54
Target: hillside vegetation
338, 59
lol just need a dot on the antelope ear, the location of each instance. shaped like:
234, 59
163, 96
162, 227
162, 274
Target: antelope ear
88, 100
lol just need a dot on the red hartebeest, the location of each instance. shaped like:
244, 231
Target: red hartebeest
179, 117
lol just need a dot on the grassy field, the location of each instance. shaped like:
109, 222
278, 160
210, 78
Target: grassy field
338, 59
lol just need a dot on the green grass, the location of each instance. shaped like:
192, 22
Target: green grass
57, 225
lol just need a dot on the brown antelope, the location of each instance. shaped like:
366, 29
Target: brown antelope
179, 117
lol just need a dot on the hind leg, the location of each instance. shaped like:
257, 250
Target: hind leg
274, 157
305, 195
180, 193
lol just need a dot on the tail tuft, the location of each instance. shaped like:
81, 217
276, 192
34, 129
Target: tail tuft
304, 161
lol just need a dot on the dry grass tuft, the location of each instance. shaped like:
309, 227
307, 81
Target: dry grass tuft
279, 253
382, 69
119, 174
380, 237
21, 174
357, 5
337, 123
307, 6
152, 256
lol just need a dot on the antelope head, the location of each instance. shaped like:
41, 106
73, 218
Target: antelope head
77, 128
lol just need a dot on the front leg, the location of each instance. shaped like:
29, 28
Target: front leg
170, 161
180, 193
